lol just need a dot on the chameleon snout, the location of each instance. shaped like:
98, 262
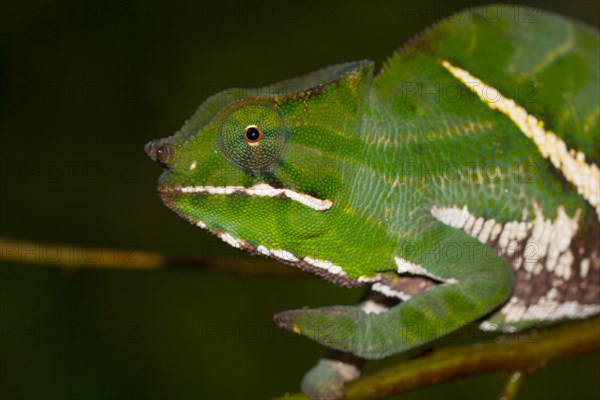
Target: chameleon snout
150, 150
160, 150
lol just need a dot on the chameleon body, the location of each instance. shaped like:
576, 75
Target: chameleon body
461, 181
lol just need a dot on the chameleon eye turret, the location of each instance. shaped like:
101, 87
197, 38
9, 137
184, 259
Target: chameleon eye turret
246, 145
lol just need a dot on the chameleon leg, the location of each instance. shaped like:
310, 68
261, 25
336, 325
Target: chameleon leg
325, 381
476, 282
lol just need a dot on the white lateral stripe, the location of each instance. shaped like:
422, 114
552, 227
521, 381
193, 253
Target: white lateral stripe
368, 279
548, 310
260, 190
407, 267
372, 307
585, 177
551, 239
488, 326
389, 292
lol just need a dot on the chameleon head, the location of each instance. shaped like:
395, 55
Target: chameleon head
265, 166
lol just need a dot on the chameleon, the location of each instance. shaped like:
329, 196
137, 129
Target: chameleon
459, 184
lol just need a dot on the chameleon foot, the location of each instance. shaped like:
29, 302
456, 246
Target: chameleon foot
334, 326
325, 381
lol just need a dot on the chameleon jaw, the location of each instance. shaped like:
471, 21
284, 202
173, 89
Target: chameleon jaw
260, 190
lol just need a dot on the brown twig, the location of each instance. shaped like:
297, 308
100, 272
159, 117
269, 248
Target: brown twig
512, 384
71, 256
515, 356
526, 354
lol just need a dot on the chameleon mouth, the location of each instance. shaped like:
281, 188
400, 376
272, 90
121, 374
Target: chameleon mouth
260, 190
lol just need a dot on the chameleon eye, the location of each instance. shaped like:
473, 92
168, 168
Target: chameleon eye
252, 135
257, 149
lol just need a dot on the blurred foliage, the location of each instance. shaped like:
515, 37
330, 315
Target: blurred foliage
84, 85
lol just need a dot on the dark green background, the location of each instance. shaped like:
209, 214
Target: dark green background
83, 86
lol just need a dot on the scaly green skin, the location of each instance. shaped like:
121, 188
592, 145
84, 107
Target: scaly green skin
377, 149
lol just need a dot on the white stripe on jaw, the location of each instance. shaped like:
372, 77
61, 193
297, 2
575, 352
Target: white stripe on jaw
230, 240
279, 253
260, 190
326, 265
585, 177
282, 255
201, 224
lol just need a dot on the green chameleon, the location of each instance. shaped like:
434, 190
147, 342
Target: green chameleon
460, 184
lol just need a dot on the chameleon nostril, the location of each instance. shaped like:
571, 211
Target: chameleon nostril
159, 150
164, 153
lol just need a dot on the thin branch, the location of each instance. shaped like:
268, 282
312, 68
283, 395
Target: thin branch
512, 384
71, 256
510, 353
527, 354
